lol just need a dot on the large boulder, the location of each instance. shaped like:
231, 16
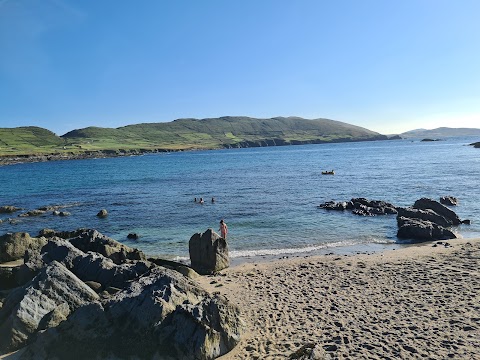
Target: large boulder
44, 302
421, 230
92, 240
208, 252
425, 203
8, 277
89, 266
14, 245
162, 315
426, 215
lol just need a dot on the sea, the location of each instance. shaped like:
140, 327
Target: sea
268, 196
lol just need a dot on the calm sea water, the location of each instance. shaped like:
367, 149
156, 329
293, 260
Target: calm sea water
267, 196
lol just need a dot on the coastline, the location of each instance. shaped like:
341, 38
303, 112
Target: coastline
414, 302
112, 153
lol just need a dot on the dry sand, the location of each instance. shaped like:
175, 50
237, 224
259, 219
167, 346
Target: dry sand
420, 302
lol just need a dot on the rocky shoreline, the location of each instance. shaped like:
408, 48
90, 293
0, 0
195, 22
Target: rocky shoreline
100, 154
83, 293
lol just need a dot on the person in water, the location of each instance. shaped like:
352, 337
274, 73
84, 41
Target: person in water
223, 229
213, 200
201, 200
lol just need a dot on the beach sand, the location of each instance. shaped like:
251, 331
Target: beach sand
419, 302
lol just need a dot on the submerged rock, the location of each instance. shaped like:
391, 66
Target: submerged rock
102, 213
8, 209
208, 252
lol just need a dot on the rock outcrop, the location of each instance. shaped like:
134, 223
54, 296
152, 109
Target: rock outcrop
92, 240
53, 292
162, 315
14, 245
425, 203
8, 209
361, 206
426, 220
449, 200
208, 252
73, 297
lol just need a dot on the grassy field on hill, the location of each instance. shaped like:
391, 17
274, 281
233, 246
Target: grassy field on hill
183, 134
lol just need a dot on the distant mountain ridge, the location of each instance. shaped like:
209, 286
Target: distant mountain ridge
183, 134
440, 132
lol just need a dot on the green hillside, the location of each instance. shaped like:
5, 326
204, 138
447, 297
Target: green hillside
218, 133
440, 132
184, 134
27, 140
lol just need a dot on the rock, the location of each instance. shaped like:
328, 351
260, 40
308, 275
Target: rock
425, 203
49, 233
26, 308
8, 209
92, 240
177, 266
466, 222
361, 206
61, 213
95, 286
14, 245
33, 213
208, 252
7, 277
427, 215
133, 236
162, 315
90, 266
449, 200
421, 230
102, 213
309, 351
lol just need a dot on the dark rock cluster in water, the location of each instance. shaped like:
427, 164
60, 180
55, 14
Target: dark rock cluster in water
85, 294
427, 220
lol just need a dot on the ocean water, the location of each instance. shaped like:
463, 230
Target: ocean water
267, 196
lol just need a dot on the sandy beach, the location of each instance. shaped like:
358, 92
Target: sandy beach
420, 302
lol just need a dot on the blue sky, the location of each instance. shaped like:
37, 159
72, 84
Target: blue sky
389, 66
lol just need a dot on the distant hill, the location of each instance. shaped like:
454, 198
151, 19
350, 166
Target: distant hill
28, 139
441, 132
184, 134
219, 133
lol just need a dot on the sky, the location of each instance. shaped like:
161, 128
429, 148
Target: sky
388, 66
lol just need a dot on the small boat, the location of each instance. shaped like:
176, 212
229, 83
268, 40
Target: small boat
328, 172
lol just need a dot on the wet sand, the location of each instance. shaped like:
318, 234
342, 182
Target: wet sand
420, 302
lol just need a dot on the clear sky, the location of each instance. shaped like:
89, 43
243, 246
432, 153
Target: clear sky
389, 66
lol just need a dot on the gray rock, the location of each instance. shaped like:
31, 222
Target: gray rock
421, 230
49, 233
160, 316
91, 266
92, 240
426, 215
425, 203
7, 277
14, 245
102, 213
33, 213
449, 200
26, 307
208, 252
8, 209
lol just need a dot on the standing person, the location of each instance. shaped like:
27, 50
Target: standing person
223, 229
